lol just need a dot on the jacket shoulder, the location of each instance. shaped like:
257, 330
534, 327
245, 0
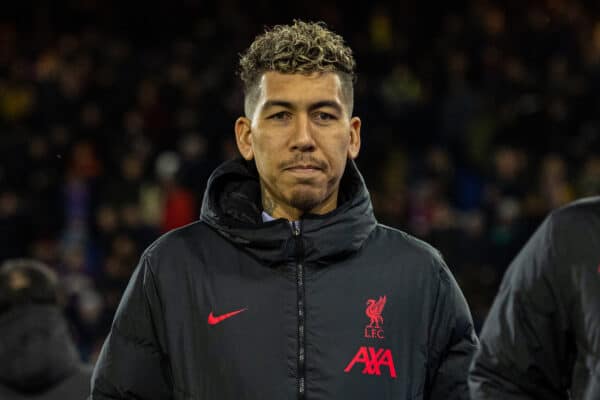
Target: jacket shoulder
579, 213
178, 244
409, 249
407, 242
566, 234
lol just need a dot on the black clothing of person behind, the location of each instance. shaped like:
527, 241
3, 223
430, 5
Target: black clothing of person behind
38, 360
541, 339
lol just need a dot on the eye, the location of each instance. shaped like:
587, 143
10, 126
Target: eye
280, 116
324, 117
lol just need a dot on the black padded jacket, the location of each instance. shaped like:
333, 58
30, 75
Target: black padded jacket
38, 359
335, 306
541, 339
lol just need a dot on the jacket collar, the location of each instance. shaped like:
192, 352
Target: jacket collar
232, 206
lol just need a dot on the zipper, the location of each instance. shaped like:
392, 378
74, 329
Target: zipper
296, 232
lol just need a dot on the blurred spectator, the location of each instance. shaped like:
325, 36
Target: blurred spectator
554, 186
108, 135
179, 205
589, 179
15, 227
196, 163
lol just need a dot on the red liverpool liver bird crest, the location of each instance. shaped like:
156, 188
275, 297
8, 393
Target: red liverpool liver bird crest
374, 309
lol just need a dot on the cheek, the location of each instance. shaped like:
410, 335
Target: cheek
338, 157
269, 142
266, 161
262, 164
338, 150
260, 145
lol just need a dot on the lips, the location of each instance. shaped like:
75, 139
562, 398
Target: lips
304, 167
304, 170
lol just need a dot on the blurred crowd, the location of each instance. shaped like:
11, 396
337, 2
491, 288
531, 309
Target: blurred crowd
479, 118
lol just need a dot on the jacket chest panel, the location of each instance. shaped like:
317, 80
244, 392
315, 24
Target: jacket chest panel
234, 334
233, 329
366, 332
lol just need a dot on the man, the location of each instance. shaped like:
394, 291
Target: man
541, 339
38, 359
287, 288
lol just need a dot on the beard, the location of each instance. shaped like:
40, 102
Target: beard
305, 199
304, 203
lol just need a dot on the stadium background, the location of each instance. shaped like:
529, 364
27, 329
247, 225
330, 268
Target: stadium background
479, 118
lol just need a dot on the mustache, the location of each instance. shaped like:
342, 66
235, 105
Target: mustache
303, 159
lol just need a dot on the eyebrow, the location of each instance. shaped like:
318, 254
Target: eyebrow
319, 104
277, 103
327, 103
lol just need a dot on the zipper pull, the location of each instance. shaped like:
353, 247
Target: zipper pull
295, 228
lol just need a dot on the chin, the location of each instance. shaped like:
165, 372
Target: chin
305, 200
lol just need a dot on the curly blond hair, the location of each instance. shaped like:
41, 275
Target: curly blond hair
302, 47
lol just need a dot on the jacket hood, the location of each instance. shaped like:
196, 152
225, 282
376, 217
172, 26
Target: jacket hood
232, 206
36, 351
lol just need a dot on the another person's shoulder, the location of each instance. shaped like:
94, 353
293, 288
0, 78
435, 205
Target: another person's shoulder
563, 243
76, 386
573, 226
582, 211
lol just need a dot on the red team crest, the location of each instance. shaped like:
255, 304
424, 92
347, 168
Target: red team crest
374, 309
373, 359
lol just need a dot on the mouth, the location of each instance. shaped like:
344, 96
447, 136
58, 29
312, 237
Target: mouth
303, 169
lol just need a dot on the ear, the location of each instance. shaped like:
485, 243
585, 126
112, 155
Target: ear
243, 137
354, 146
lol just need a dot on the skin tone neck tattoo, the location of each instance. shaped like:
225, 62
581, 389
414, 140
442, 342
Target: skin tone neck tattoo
268, 204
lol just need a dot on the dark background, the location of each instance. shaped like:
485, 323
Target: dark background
478, 119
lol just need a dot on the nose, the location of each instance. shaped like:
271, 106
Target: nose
303, 139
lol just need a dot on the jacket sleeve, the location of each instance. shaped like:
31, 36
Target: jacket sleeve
132, 363
453, 341
524, 341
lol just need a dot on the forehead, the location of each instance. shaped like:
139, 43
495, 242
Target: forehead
300, 88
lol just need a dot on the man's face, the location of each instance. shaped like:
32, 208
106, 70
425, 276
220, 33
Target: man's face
300, 136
